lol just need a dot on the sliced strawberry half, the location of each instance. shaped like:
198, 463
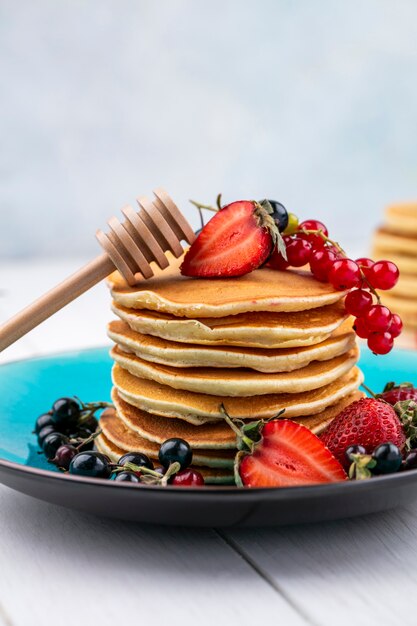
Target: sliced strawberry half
287, 455
238, 239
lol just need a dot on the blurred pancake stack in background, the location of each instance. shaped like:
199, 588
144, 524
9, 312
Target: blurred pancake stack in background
396, 240
256, 344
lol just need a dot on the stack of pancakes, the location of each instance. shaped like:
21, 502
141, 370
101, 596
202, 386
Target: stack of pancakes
396, 240
256, 344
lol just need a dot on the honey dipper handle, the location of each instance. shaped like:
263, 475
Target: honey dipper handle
55, 299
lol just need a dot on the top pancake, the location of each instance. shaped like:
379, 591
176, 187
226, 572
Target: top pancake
262, 290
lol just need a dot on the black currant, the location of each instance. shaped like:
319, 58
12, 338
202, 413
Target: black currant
44, 432
65, 413
64, 455
137, 458
279, 215
52, 442
175, 450
92, 464
90, 424
410, 461
354, 449
42, 421
388, 459
128, 477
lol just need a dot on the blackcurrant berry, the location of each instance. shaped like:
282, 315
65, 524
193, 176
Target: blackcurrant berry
92, 464
64, 456
127, 477
90, 424
65, 413
388, 459
137, 458
354, 449
279, 215
43, 433
42, 421
52, 442
410, 461
175, 450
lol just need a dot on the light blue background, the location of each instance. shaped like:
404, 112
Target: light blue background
311, 102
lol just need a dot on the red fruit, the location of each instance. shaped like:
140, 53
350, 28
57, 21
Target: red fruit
188, 478
358, 302
298, 252
345, 274
399, 393
367, 422
383, 275
396, 325
378, 318
321, 262
315, 240
380, 343
288, 455
237, 240
277, 261
361, 328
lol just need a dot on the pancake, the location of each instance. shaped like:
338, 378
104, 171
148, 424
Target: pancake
212, 476
129, 427
395, 243
238, 382
259, 330
406, 264
177, 354
402, 218
262, 290
406, 287
199, 408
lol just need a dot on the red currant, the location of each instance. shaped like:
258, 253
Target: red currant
380, 343
321, 262
396, 325
365, 264
383, 275
360, 328
298, 252
345, 274
315, 240
378, 318
188, 478
358, 302
277, 261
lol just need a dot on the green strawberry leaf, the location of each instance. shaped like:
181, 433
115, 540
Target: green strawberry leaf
407, 414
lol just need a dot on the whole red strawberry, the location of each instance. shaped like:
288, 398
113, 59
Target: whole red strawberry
397, 393
237, 240
367, 422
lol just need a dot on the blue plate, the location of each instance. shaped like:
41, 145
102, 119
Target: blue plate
28, 388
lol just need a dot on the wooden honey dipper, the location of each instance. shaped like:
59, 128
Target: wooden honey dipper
129, 246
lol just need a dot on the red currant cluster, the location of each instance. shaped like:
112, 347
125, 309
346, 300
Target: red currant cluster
308, 242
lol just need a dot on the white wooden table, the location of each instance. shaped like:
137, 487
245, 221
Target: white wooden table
60, 567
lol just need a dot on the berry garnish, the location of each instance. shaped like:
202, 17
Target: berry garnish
92, 464
279, 215
387, 457
52, 442
383, 275
298, 252
64, 456
393, 393
43, 433
316, 240
410, 460
321, 262
396, 325
65, 413
238, 239
127, 477
378, 318
352, 450
137, 458
358, 302
360, 328
42, 421
367, 422
175, 450
380, 343
345, 274
188, 478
